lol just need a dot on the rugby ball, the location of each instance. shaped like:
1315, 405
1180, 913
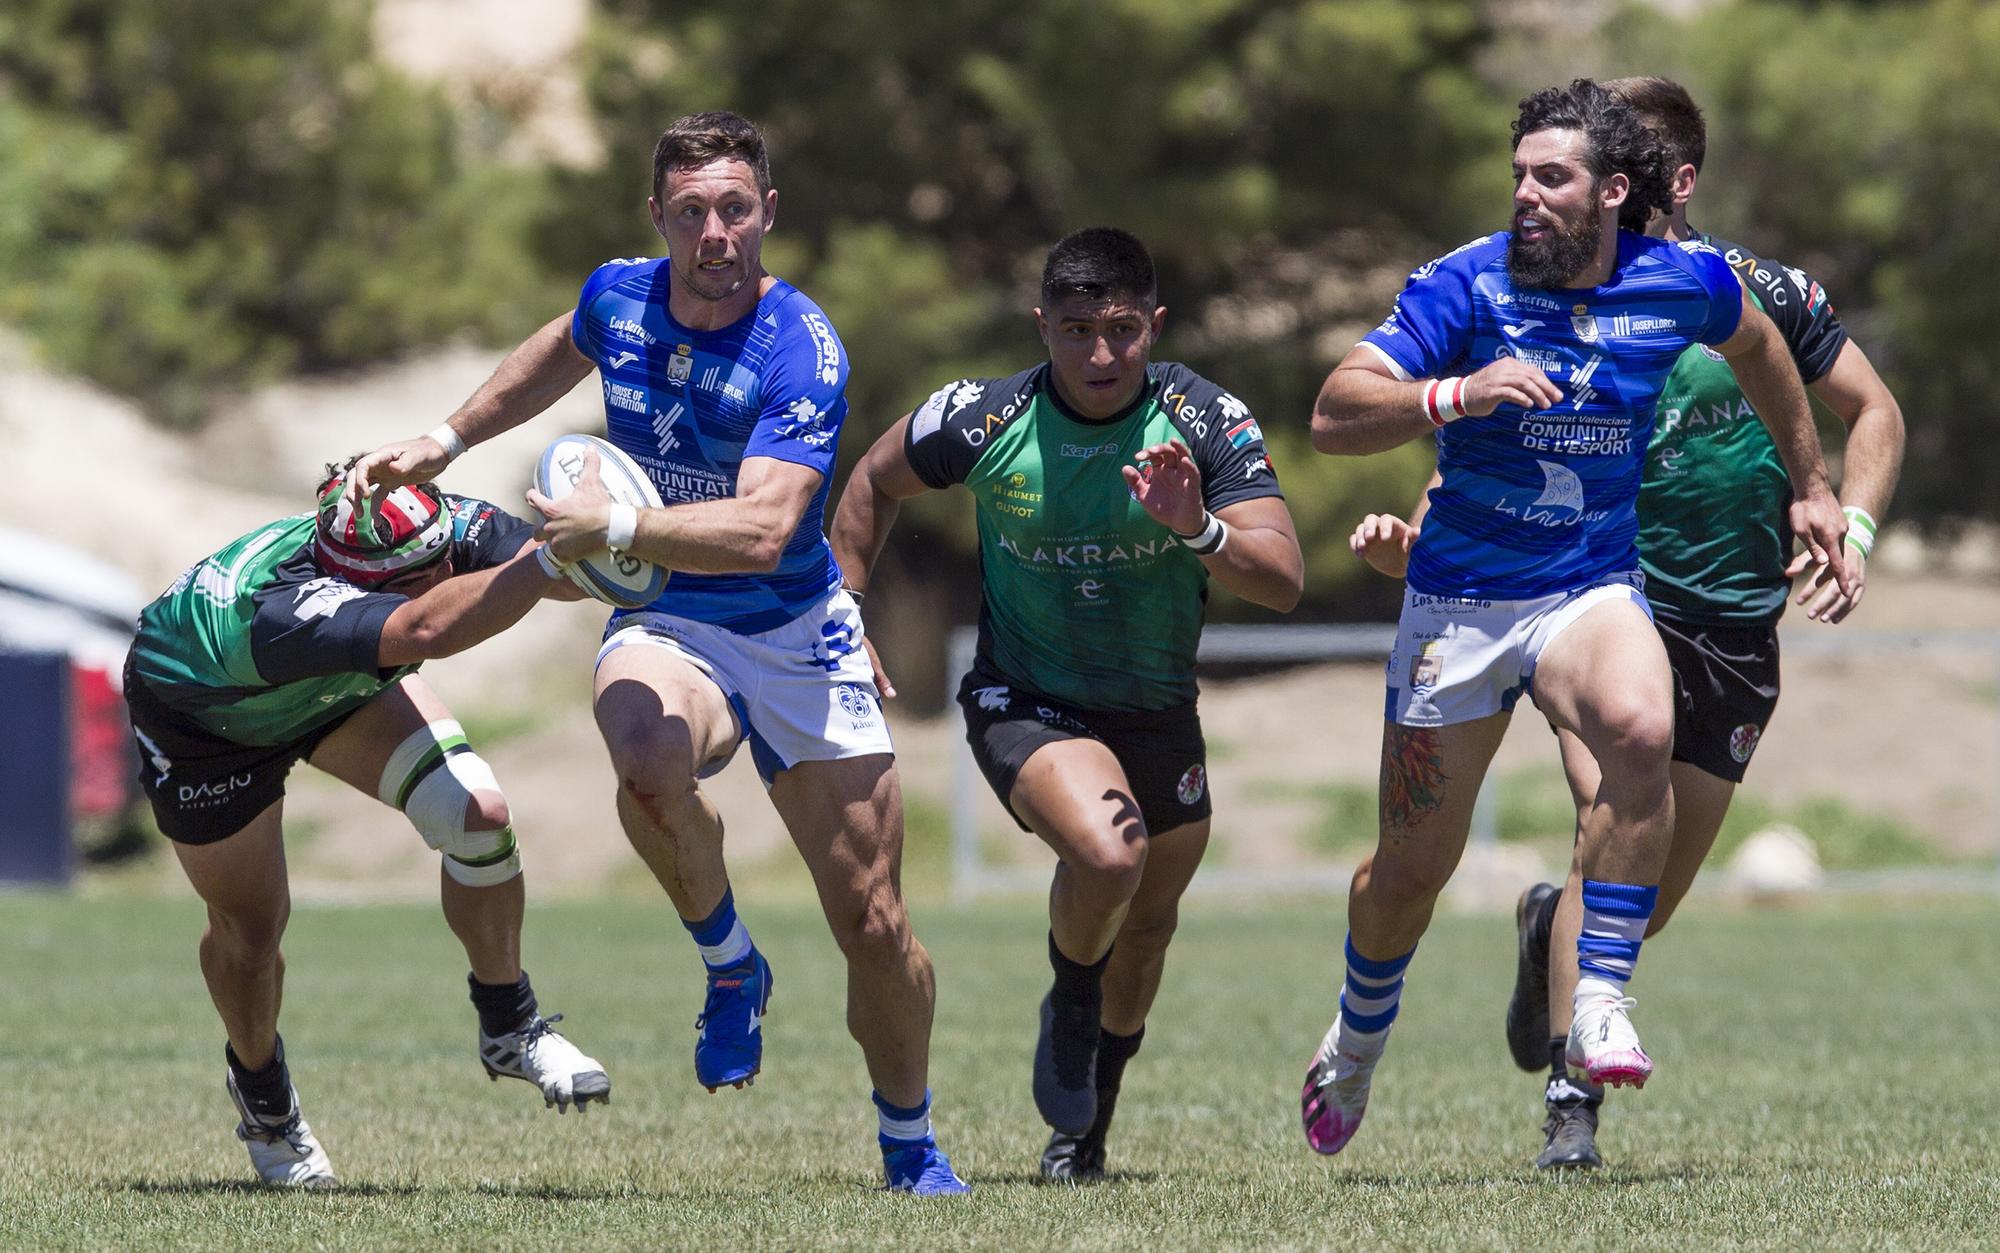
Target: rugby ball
614, 578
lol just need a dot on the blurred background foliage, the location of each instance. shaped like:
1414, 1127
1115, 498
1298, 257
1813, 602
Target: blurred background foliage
197, 196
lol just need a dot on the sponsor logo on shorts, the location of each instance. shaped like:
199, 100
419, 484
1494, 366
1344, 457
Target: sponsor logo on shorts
993, 698
856, 703
212, 793
1743, 741
1194, 781
1426, 668
836, 641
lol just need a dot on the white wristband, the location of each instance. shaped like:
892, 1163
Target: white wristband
450, 441
1209, 540
1860, 529
1444, 400
622, 529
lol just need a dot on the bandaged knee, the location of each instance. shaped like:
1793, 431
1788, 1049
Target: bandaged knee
432, 777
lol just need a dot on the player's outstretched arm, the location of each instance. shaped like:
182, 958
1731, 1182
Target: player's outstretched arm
1364, 408
464, 609
1869, 470
882, 480
1250, 547
1763, 366
539, 372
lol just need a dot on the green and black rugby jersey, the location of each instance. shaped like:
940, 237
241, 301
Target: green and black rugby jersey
257, 645
1086, 599
1714, 537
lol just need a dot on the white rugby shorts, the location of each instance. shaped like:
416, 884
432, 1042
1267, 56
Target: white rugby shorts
800, 692
1457, 658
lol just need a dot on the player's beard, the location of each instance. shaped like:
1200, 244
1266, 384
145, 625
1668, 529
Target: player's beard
1558, 257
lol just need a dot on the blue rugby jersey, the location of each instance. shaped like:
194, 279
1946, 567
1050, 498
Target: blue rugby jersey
690, 405
1535, 503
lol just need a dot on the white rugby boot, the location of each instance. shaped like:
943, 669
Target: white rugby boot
1604, 1045
1335, 1095
541, 1055
284, 1150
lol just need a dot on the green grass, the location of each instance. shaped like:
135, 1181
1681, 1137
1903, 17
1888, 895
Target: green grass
1534, 807
1823, 1081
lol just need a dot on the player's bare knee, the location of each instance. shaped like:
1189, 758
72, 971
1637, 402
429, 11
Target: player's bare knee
875, 928
253, 936
1636, 744
654, 757
1112, 866
1148, 934
1402, 882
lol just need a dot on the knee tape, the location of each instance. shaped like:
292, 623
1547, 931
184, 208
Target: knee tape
431, 777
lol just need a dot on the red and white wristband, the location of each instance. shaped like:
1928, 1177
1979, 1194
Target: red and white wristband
1444, 400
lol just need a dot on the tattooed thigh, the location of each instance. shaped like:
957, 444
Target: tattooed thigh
1413, 777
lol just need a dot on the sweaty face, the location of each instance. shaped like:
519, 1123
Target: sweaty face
1098, 350
1557, 224
713, 220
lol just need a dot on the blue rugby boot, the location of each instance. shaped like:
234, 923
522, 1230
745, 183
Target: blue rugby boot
730, 1051
921, 1170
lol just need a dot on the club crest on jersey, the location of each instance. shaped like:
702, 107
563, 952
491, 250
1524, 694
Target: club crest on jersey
1743, 741
681, 364
1194, 781
1584, 323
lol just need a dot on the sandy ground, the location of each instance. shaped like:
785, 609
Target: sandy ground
1914, 731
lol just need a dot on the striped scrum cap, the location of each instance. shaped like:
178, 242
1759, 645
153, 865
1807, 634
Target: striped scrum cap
406, 528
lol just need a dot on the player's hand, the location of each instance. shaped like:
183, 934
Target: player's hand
1819, 524
1509, 381
1825, 600
579, 524
1383, 541
395, 465
1167, 485
882, 683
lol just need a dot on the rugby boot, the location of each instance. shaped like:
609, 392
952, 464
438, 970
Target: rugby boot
730, 1049
541, 1055
1570, 1130
282, 1147
1074, 1159
1528, 1008
1604, 1045
921, 1170
1335, 1095
1066, 1064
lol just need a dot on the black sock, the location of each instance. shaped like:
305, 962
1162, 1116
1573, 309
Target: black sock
1077, 984
1559, 1057
503, 1007
1113, 1051
268, 1089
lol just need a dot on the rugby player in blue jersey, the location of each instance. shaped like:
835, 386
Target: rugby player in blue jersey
1537, 356
728, 386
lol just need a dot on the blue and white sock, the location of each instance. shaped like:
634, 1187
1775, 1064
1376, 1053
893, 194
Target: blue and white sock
1370, 998
901, 1128
1614, 923
721, 937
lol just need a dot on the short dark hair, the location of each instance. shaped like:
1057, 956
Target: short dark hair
1617, 138
700, 138
1099, 263
1665, 105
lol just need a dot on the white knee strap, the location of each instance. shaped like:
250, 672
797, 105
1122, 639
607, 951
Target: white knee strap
431, 777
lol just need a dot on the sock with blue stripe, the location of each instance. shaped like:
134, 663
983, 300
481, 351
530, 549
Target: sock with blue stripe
721, 936
1614, 923
903, 1128
1370, 998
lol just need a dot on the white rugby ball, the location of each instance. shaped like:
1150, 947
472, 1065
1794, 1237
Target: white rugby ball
614, 578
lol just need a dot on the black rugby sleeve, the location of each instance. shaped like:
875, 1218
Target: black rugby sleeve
1227, 443
1811, 328
307, 628
484, 535
951, 431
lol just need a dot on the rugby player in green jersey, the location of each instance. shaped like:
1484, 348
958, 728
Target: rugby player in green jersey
1109, 490
1716, 548
300, 641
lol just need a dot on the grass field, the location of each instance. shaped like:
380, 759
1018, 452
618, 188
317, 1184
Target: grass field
1825, 1080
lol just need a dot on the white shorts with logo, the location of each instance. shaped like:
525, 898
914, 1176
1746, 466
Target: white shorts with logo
1457, 659
800, 692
